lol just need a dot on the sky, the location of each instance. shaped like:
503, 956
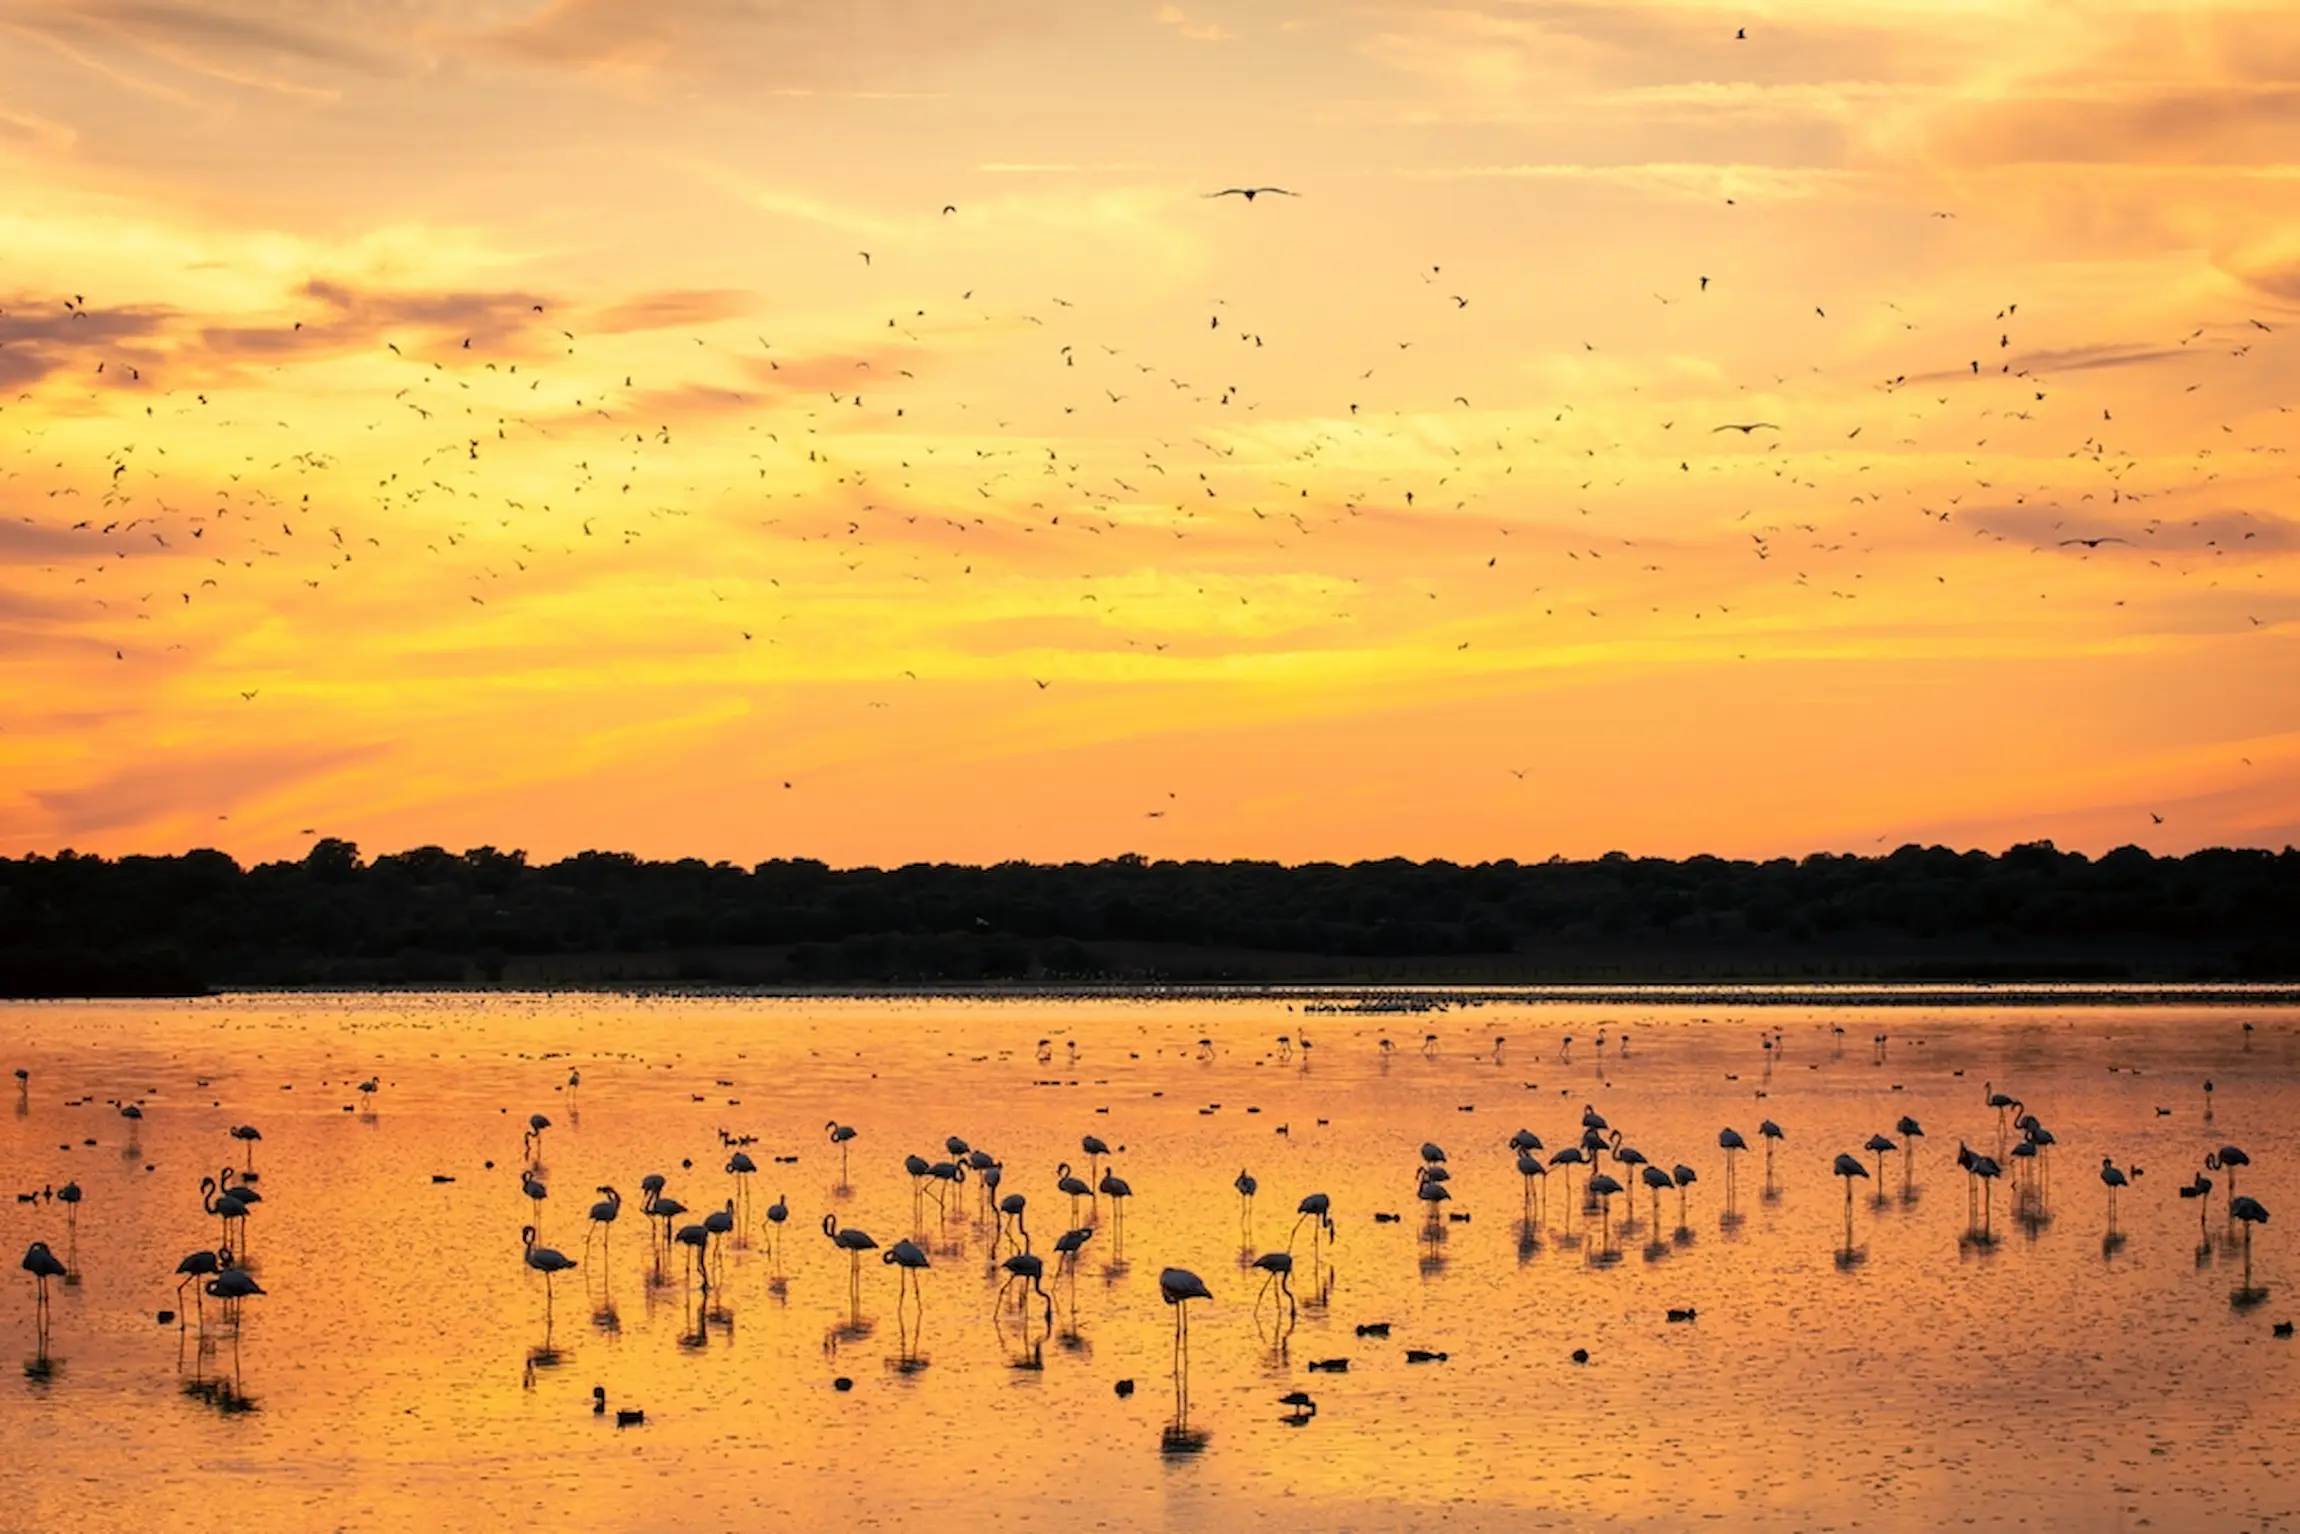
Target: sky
751, 428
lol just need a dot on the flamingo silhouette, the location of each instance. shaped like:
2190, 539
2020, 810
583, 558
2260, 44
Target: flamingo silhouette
543, 1259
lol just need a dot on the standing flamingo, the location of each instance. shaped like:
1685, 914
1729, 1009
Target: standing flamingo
1095, 1151
841, 1135
2113, 1177
1178, 1287
1684, 1177
42, 1265
1602, 1187
1118, 1190
1279, 1266
1029, 1270
248, 1135
1318, 1211
202, 1264
854, 1243
536, 1192
1067, 1181
1246, 1185
603, 1216
911, 1258
1729, 1140
531, 1143
543, 1259
69, 1196
1985, 1168
777, 1212
2248, 1211
2201, 1188
1878, 1146
2228, 1158
1529, 1167
1848, 1166
1770, 1133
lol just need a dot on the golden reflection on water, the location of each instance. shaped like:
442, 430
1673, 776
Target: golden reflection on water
1766, 1342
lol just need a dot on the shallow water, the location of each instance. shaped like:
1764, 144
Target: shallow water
404, 1368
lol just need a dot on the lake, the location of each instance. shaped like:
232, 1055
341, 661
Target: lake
1870, 1364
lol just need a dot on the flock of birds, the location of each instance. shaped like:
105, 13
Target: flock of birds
689, 1246
511, 448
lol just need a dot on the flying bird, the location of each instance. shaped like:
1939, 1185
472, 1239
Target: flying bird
1744, 428
1252, 192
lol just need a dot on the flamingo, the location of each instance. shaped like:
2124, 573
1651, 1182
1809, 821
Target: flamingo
2201, 1188
696, 1238
1729, 1140
1986, 1169
1529, 1167
1011, 1207
69, 1196
1657, 1180
1029, 1270
1684, 1177
2247, 1210
42, 1265
1318, 1209
603, 1216
740, 1166
1279, 1266
854, 1243
1626, 1156
720, 1222
1770, 1133
1246, 1185
1066, 1248
2113, 1177
248, 1135
1569, 1157
840, 1135
226, 1205
1433, 1153
777, 1212
2003, 1103
2228, 1158
232, 1285
543, 1259
1602, 1187
1848, 1166
1878, 1145
1077, 1187
911, 1258
198, 1265
1095, 1151
1178, 1287
531, 1143
536, 1192
945, 1175
1118, 1190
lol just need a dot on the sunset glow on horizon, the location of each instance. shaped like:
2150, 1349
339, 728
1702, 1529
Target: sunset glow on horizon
727, 430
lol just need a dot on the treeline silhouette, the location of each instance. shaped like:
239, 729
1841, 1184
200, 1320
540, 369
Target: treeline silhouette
73, 925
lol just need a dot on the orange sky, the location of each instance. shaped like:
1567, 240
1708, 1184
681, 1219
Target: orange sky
478, 423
